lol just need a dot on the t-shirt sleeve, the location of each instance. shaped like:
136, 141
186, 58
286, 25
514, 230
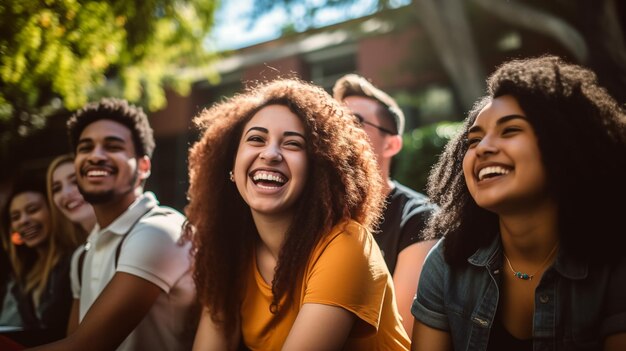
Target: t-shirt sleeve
350, 273
152, 251
75, 271
413, 225
428, 305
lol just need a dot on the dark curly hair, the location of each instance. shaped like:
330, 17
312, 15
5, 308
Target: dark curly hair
343, 182
581, 133
119, 111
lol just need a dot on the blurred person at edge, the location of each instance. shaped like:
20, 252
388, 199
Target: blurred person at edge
530, 194
37, 295
399, 233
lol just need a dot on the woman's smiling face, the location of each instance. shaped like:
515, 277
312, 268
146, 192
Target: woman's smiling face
30, 216
271, 164
66, 197
502, 166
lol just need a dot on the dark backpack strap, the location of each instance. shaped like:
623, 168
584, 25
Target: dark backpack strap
81, 260
118, 250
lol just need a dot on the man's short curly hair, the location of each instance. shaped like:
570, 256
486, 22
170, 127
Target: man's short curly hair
117, 110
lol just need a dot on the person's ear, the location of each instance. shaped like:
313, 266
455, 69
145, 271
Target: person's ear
144, 166
393, 145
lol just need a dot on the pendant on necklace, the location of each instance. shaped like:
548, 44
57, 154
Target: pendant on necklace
526, 276
523, 276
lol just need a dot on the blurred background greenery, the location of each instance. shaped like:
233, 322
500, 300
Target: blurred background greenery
420, 151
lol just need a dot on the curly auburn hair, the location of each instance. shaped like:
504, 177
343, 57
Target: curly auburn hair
581, 133
117, 110
343, 183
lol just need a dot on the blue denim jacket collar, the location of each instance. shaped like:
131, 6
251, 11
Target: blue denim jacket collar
487, 256
570, 268
565, 264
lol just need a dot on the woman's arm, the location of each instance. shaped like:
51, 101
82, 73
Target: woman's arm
319, 327
429, 339
209, 335
72, 323
406, 276
431, 293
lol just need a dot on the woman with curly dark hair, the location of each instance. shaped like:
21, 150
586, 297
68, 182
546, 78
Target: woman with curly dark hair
284, 191
529, 195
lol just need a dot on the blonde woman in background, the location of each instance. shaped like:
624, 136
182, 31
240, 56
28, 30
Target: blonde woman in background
71, 214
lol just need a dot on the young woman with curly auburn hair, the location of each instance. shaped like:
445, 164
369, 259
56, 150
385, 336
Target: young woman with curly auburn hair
284, 191
530, 257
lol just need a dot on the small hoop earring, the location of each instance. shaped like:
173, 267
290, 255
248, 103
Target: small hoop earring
231, 176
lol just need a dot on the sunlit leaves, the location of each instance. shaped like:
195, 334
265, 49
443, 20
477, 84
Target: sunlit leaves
72, 51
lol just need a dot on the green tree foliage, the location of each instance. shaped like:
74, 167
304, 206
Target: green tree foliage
56, 55
420, 151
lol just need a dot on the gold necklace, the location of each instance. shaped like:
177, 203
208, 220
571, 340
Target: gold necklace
526, 276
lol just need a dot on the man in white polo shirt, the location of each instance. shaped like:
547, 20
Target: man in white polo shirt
132, 279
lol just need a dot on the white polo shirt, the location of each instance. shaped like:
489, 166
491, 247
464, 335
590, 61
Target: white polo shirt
151, 251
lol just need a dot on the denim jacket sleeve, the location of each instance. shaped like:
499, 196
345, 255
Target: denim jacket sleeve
615, 301
428, 305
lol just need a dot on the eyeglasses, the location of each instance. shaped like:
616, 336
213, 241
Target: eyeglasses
362, 121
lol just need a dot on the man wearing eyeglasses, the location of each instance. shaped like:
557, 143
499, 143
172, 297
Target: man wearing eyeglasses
399, 235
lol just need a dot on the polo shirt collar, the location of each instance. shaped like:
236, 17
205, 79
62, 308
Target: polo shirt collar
138, 208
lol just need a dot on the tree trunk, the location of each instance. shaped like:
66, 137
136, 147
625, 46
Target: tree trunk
607, 54
534, 19
447, 26
597, 41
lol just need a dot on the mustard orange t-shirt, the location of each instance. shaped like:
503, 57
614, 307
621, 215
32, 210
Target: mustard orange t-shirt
347, 270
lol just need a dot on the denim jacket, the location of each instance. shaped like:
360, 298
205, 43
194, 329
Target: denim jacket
577, 304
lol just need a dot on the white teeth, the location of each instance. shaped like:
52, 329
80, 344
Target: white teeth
26, 232
97, 173
493, 170
73, 204
269, 176
266, 187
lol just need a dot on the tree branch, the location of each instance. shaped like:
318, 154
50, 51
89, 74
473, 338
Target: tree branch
525, 16
447, 26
